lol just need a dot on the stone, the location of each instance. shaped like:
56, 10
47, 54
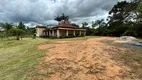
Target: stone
132, 40
127, 38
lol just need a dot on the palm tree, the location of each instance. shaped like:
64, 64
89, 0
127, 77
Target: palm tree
62, 17
6, 27
57, 18
84, 24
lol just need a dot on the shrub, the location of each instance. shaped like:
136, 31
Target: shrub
130, 33
16, 32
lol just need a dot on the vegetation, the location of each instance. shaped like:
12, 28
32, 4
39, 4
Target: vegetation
6, 27
125, 18
84, 24
20, 30
62, 17
75, 25
17, 32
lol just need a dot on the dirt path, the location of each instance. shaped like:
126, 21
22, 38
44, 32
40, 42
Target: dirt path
80, 60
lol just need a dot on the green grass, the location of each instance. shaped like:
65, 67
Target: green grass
77, 38
17, 58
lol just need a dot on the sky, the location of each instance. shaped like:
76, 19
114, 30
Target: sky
43, 12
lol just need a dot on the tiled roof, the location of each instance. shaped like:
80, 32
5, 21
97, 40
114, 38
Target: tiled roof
65, 24
62, 24
40, 26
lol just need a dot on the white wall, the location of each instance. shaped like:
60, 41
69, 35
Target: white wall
39, 31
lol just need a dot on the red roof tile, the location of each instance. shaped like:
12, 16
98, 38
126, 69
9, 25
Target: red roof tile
65, 24
40, 26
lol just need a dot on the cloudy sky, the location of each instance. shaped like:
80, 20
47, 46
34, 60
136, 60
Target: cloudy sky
33, 12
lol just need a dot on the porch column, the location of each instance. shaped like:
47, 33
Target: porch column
84, 33
58, 33
49, 33
74, 33
52, 32
80, 33
67, 33
45, 33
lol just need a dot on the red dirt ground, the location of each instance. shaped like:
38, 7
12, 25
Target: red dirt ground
80, 60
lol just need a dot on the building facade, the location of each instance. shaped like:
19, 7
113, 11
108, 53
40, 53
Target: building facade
62, 30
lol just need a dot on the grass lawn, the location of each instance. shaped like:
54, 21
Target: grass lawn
17, 58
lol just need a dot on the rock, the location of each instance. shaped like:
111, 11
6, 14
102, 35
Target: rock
137, 43
127, 38
132, 40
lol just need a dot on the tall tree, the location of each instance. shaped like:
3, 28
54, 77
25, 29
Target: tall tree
21, 26
117, 18
98, 23
118, 13
17, 32
101, 28
139, 24
75, 25
6, 27
62, 17
84, 24
139, 10
57, 18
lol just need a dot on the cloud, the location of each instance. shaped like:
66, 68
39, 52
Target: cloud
33, 12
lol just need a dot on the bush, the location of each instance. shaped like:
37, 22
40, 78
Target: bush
17, 32
130, 33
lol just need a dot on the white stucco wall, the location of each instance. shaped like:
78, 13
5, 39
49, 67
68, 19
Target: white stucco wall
39, 32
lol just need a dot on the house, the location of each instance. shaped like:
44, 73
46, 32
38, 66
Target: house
62, 30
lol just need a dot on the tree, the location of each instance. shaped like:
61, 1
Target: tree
139, 11
6, 27
17, 32
118, 13
75, 25
21, 26
130, 33
62, 17
89, 31
84, 24
117, 20
30, 31
57, 18
101, 27
98, 23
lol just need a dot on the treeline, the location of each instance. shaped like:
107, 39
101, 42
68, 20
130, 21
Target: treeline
125, 18
19, 31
